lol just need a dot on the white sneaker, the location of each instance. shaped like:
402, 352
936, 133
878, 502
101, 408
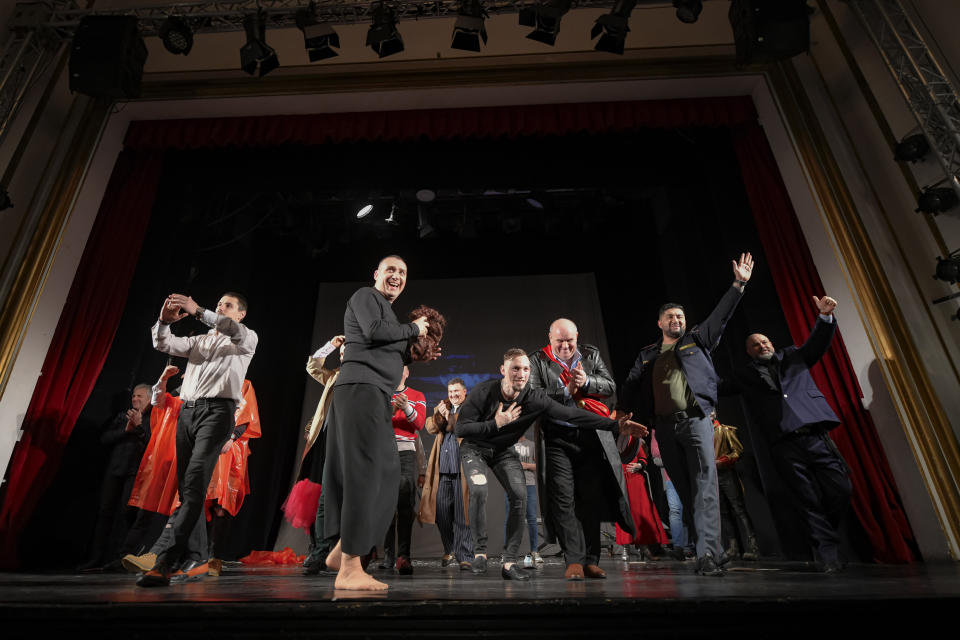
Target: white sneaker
527, 561
537, 559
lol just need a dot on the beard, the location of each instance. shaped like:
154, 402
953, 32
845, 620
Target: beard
764, 357
675, 334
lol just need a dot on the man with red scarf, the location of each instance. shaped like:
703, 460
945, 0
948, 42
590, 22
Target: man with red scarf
581, 482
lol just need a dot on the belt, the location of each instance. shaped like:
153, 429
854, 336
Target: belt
205, 402
680, 416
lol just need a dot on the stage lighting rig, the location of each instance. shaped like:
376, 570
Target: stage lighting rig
176, 35
256, 53
383, 36
948, 270
936, 200
469, 28
614, 27
688, 10
545, 18
911, 148
319, 38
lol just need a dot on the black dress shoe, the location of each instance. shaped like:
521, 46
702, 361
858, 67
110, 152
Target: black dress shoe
159, 576
479, 565
190, 572
707, 566
514, 573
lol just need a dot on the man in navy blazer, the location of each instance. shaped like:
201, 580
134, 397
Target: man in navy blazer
785, 404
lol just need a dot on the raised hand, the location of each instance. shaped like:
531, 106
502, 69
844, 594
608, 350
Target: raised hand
825, 305
443, 409
169, 372
743, 269
338, 341
504, 417
170, 312
184, 302
422, 324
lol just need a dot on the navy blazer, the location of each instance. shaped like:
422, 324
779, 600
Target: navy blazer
796, 401
694, 359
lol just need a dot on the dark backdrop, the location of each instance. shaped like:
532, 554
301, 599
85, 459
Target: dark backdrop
655, 215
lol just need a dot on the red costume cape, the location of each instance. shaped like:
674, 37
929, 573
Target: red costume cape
155, 488
230, 483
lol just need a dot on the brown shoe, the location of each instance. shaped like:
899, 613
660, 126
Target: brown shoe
593, 571
214, 567
574, 572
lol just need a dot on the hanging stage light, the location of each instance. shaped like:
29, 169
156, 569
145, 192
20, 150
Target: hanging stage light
688, 10
318, 37
256, 53
911, 148
364, 211
545, 17
425, 229
176, 35
382, 36
614, 27
469, 28
936, 200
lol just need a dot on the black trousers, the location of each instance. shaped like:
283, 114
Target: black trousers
734, 518
476, 463
201, 432
816, 475
361, 475
574, 475
114, 517
197, 541
400, 532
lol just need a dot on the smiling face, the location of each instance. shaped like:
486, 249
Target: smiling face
516, 373
230, 307
759, 347
456, 393
563, 339
140, 399
672, 323
390, 277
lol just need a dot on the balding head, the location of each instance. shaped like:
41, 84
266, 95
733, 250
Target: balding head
759, 347
563, 339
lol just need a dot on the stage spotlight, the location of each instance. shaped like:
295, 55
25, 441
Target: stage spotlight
469, 28
936, 200
176, 35
948, 269
911, 148
688, 10
318, 37
614, 27
545, 17
364, 211
382, 36
426, 195
536, 204
393, 218
256, 53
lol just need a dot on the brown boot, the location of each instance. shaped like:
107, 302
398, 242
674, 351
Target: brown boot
574, 572
593, 571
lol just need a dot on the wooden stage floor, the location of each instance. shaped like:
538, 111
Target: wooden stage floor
651, 599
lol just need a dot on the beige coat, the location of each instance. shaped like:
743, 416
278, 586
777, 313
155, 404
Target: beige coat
326, 377
437, 424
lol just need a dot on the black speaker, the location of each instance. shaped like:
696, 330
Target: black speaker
769, 30
107, 57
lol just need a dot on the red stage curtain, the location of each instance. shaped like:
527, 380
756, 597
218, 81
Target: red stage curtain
82, 339
875, 497
438, 124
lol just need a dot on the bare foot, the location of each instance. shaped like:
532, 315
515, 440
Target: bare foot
334, 557
352, 577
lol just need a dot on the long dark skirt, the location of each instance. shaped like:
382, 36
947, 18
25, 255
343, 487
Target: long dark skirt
361, 476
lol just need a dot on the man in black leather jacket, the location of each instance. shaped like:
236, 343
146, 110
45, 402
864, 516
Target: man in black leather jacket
581, 479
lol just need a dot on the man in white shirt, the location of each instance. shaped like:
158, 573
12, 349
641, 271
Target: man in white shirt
216, 367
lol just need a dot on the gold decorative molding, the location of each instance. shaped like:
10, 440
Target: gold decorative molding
53, 218
924, 421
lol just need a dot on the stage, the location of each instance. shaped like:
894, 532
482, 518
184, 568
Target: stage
648, 599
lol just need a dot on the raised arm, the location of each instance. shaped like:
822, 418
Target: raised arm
822, 334
315, 362
711, 329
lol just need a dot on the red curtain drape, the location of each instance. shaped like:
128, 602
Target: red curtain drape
875, 497
82, 339
99, 291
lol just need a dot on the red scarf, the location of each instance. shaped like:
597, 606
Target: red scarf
583, 400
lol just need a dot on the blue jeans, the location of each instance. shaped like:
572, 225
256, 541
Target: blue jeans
531, 516
678, 530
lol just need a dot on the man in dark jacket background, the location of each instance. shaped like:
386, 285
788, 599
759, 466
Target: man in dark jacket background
784, 402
